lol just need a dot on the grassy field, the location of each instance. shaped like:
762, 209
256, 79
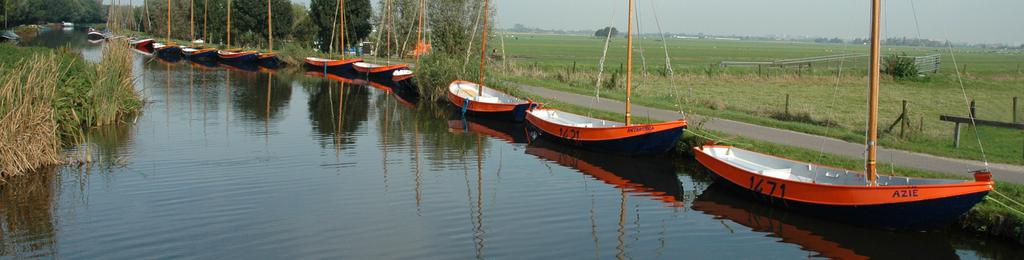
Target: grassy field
820, 102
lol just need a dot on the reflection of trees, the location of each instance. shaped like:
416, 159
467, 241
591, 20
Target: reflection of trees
250, 96
324, 113
438, 144
26, 214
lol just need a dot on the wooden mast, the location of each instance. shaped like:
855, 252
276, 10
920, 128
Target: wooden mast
629, 62
419, 31
483, 53
341, 28
387, 26
873, 94
192, 20
229, 25
168, 22
206, 5
270, 27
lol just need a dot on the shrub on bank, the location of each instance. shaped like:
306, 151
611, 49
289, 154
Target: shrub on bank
48, 96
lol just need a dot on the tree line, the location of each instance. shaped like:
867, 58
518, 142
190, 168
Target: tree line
18, 12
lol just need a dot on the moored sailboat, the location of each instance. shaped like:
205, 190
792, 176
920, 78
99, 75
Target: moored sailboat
339, 66
608, 136
269, 59
476, 99
235, 55
196, 52
385, 70
860, 198
168, 50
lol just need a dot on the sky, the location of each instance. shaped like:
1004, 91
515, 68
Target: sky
973, 21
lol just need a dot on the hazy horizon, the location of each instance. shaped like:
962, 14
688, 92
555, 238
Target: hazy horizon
993, 21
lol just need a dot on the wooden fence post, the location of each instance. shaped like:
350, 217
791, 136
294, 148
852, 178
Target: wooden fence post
1015, 109
904, 118
956, 135
974, 113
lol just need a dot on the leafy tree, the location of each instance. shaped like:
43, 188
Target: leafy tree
323, 15
451, 25
303, 30
603, 32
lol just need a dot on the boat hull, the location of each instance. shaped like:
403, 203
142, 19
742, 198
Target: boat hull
268, 60
343, 67
169, 53
201, 55
909, 207
644, 144
919, 215
633, 139
380, 71
515, 112
237, 57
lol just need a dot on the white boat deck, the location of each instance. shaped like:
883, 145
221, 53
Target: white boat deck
805, 172
468, 90
570, 119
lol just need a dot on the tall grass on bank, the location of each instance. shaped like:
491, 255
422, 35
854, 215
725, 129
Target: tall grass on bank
113, 89
28, 130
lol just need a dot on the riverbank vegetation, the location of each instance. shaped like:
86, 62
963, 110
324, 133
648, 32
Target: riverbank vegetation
49, 97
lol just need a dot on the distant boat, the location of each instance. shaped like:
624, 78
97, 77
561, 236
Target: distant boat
199, 53
167, 51
331, 66
94, 34
402, 74
67, 26
341, 65
608, 136
237, 56
9, 36
867, 198
268, 60
377, 70
145, 45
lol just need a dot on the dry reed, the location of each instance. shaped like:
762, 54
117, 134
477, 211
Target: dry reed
28, 131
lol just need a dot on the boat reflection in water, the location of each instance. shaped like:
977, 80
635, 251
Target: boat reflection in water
829, 239
514, 133
641, 176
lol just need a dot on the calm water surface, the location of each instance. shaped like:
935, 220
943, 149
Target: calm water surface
225, 163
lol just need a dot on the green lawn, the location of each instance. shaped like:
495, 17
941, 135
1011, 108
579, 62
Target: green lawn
820, 102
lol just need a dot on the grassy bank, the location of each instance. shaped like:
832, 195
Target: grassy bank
988, 218
50, 96
820, 103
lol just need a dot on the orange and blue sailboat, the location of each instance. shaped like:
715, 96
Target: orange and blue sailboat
378, 70
473, 98
340, 66
196, 53
863, 198
604, 135
237, 56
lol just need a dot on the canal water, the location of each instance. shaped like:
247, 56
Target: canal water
225, 163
